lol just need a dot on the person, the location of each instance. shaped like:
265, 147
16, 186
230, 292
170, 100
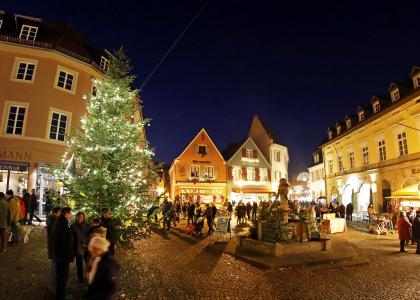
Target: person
229, 208
26, 197
15, 216
22, 210
48, 203
80, 236
167, 214
34, 206
111, 234
50, 221
103, 276
177, 210
197, 211
94, 226
342, 211
371, 212
239, 213
4, 221
62, 246
349, 211
184, 209
190, 213
331, 208
404, 227
411, 215
153, 211
254, 210
248, 210
209, 216
416, 231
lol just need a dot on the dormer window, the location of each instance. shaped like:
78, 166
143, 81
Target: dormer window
28, 33
395, 95
348, 123
330, 134
339, 129
376, 107
316, 158
1, 23
104, 65
416, 80
361, 116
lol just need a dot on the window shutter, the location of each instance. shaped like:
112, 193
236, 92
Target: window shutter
255, 153
243, 152
243, 173
257, 174
230, 175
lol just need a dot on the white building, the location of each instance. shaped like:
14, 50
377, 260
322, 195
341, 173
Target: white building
317, 174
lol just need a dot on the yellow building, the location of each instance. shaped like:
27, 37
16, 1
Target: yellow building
376, 150
45, 69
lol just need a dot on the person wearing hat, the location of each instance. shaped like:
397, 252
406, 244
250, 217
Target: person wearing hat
104, 271
111, 235
416, 231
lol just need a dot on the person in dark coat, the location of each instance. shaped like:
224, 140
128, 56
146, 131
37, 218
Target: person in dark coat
111, 234
62, 244
342, 210
230, 208
190, 213
34, 206
416, 231
103, 276
349, 212
80, 238
50, 221
26, 197
209, 216
248, 210
254, 210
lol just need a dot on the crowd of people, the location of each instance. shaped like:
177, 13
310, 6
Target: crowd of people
409, 229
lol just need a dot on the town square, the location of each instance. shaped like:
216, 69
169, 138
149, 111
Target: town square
209, 150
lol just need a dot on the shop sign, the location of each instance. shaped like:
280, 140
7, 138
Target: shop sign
15, 155
6, 165
203, 162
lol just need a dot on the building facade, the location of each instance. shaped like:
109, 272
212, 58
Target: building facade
46, 68
376, 151
317, 174
248, 173
275, 153
199, 172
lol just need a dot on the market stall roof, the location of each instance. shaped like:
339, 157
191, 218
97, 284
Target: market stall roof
410, 192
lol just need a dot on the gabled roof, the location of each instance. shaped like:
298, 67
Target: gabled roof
238, 147
270, 134
192, 141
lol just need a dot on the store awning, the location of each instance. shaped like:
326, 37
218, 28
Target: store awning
410, 192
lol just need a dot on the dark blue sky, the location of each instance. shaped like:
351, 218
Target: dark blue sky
300, 65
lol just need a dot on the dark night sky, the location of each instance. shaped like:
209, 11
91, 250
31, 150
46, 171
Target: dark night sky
300, 66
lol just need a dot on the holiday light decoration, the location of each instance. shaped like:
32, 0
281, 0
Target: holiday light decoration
114, 164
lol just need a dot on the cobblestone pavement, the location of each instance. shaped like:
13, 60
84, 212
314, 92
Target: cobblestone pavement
172, 265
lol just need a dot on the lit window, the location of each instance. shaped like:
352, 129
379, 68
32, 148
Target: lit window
395, 95
15, 120
249, 153
28, 32
330, 136
351, 160
416, 80
208, 171
195, 171
250, 174
361, 116
402, 143
278, 156
330, 166
25, 71
263, 174
348, 123
365, 155
382, 150
376, 107
340, 163
338, 129
316, 158
58, 126
237, 173
65, 80
104, 65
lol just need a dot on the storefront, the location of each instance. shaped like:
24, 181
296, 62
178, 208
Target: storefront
14, 176
250, 197
203, 194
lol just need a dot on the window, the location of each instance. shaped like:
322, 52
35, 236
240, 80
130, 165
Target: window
402, 143
58, 126
263, 174
395, 95
15, 120
28, 32
330, 166
104, 65
25, 71
382, 150
416, 80
351, 160
195, 171
316, 158
249, 153
338, 129
365, 155
361, 116
250, 174
330, 135
237, 173
202, 149
65, 80
376, 107
348, 123
278, 156
208, 171
340, 163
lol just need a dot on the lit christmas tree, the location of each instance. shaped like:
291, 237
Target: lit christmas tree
114, 165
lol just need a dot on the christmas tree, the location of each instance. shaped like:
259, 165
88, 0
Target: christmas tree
108, 163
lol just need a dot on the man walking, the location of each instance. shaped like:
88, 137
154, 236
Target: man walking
4, 221
15, 216
62, 242
34, 206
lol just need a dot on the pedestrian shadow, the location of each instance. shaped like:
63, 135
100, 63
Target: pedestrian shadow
207, 259
161, 232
